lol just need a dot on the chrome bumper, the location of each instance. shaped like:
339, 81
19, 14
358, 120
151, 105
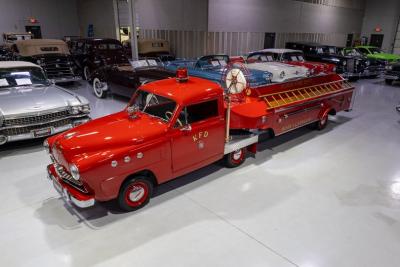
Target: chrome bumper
54, 130
66, 193
390, 77
367, 73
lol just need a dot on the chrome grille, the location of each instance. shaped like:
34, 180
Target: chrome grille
57, 67
66, 177
36, 119
28, 129
350, 65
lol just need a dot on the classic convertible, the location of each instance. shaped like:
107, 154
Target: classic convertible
124, 79
292, 57
32, 107
52, 55
212, 67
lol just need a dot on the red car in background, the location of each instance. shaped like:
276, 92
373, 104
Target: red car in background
291, 57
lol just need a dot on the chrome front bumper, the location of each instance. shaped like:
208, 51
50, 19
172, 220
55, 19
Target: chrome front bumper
68, 80
54, 130
67, 192
390, 77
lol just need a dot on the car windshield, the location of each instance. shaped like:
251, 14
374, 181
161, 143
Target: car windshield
212, 62
293, 56
329, 50
351, 52
144, 63
153, 105
109, 46
375, 50
24, 76
264, 57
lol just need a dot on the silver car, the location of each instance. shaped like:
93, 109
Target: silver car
32, 107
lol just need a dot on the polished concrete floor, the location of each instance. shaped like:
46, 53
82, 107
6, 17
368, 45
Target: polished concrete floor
308, 198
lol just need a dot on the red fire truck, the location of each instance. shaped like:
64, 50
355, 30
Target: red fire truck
175, 126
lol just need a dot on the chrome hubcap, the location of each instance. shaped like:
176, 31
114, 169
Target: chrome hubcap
136, 194
237, 154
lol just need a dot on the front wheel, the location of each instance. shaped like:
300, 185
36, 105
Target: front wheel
235, 158
99, 88
135, 193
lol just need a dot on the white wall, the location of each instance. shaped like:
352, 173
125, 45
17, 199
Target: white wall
56, 18
100, 13
383, 14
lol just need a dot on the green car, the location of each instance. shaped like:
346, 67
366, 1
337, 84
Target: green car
376, 53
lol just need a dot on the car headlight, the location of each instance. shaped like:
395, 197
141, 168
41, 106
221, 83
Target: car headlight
84, 108
334, 69
282, 75
367, 63
389, 67
344, 63
46, 146
74, 172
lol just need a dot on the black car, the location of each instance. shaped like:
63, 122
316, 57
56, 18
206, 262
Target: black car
347, 66
124, 79
90, 54
371, 67
392, 73
5, 53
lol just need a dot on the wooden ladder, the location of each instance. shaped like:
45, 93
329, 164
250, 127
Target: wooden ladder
278, 99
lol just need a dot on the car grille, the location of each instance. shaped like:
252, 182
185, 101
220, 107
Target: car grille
28, 129
37, 119
351, 65
57, 67
66, 177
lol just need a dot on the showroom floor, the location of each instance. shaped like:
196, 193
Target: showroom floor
308, 198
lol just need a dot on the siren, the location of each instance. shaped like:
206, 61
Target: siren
182, 75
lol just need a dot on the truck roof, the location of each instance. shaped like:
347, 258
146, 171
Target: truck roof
192, 91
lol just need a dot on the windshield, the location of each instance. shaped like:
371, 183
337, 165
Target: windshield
154, 105
375, 50
264, 57
351, 52
293, 56
213, 62
143, 63
22, 77
329, 50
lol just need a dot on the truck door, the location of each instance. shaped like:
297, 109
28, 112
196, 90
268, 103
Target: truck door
198, 137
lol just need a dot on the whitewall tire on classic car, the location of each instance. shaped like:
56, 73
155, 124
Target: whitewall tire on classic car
100, 88
86, 73
135, 193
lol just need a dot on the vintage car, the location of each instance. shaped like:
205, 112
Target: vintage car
5, 53
212, 67
292, 57
124, 79
175, 126
281, 72
92, 53
31, 106
392, 73
10, 38
376, 53
371, 67
52, 55
347, 66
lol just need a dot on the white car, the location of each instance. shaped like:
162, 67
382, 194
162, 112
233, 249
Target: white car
281, 72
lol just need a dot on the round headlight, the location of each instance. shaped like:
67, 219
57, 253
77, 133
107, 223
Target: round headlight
74, 172
74, 110
282, 75
84, 108
344, 63
367, 63
46, 146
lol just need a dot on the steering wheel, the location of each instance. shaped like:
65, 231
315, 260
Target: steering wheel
168, 115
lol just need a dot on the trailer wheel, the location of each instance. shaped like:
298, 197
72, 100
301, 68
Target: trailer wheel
389, 81
235, 158
135, 193
321, 124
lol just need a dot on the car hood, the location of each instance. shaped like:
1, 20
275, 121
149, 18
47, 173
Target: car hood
113, 131
25, 100
385, 56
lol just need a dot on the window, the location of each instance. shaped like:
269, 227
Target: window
201, 111
364, 51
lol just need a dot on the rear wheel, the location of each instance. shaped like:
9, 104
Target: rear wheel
99, 88
389, 81
135, 193
321, 124
235, 158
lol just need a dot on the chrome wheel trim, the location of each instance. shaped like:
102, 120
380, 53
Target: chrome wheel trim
136, 194
237, 154
86, 73
99, 87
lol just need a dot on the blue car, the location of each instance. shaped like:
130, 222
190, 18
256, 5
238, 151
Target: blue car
212, 68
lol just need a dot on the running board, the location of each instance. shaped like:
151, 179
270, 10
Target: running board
239, 142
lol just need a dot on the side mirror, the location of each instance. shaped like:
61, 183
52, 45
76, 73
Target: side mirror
186, 128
